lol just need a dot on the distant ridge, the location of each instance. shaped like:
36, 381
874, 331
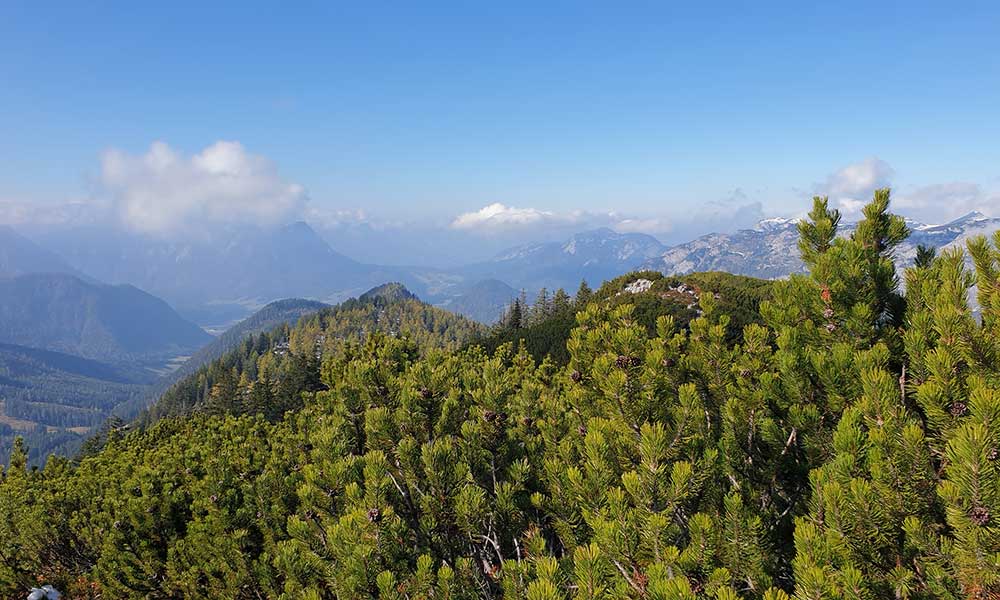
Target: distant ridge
595, 255
483, 301
66, 314
19, 256
389, 292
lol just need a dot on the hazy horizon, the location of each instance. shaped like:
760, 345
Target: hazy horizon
445, 132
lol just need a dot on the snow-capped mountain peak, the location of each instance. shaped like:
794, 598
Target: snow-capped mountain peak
774, 223
770, 250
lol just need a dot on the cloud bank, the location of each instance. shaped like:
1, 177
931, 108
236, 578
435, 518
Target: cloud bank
171, 194
851, 187
498, 218
946, 201
163, 191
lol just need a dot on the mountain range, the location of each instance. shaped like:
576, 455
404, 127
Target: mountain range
770, 250
594, 255
218, 279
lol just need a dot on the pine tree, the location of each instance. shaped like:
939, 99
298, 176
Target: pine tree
925, 256
561, 302
542, 308
515, 319
816, 235
878, 234
22, 522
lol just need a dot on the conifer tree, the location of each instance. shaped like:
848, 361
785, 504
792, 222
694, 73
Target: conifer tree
925, 256
21, 521
561, 302
583, 294
817, 233
515, 319
542, 307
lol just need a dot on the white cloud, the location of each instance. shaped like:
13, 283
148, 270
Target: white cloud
649, 225
735, 211
851, 187
501, 216
943, 202
163, 191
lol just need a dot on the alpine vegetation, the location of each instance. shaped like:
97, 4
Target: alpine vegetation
826, 436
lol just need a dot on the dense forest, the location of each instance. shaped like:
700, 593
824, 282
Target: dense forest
821, 437
268, 372
54, 399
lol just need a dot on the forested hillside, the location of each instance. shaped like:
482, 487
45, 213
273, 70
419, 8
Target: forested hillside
267, 372
64, 313
823, 437
53, 399
271, 316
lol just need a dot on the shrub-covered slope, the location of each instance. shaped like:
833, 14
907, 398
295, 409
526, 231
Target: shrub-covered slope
546, 326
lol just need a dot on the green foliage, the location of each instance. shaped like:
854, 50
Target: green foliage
545, 336
267, 373
836, 447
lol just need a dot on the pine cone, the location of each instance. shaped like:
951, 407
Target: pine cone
426, 394
669, 362
993, 454
576, 376
489, 415
980, 516
831, 327
827, 313
624, 362
374, 515
958, 409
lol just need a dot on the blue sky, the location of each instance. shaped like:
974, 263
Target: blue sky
431, 110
